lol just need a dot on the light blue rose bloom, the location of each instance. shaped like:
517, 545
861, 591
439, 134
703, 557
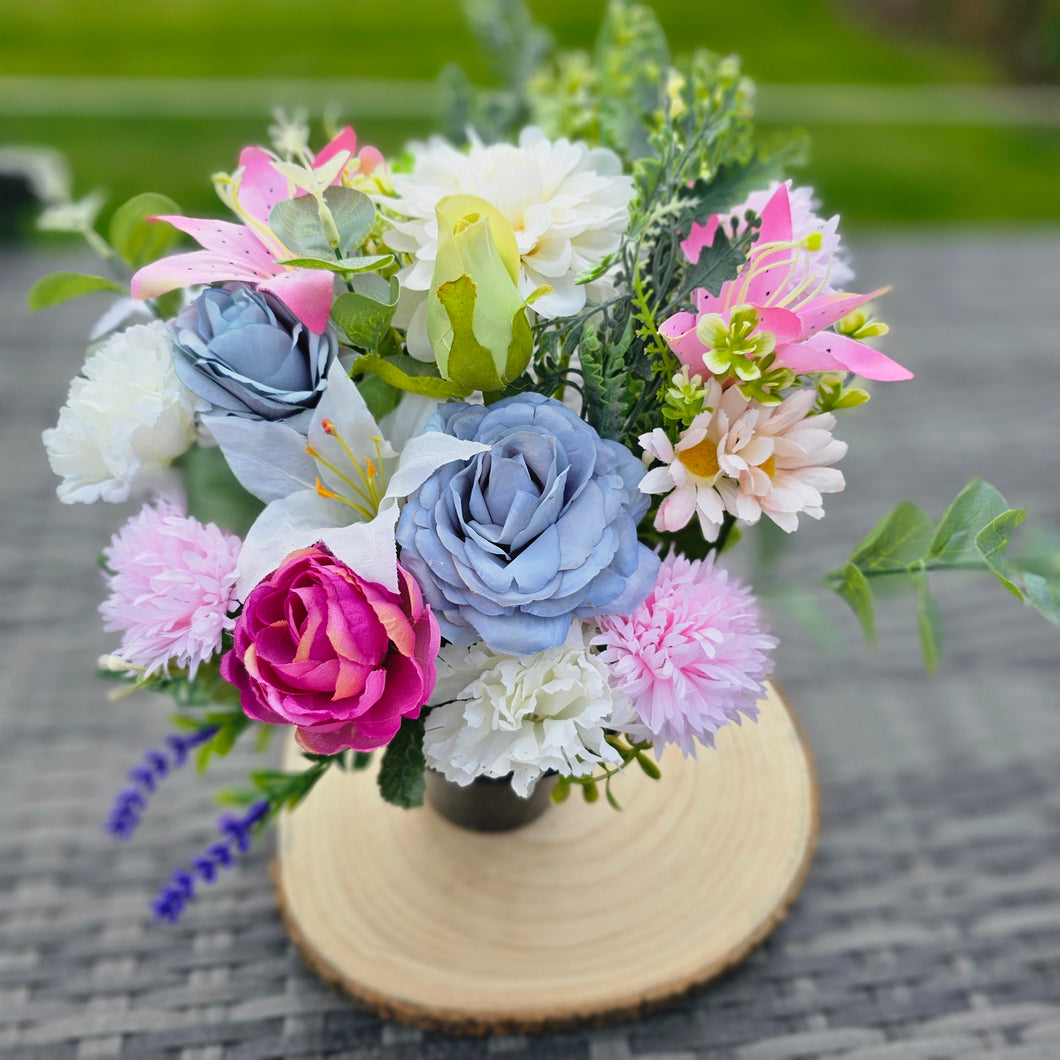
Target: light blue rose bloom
246, 354
512, 544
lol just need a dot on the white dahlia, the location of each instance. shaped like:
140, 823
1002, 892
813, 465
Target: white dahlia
524, 715
568, 205
746, 459
126, 417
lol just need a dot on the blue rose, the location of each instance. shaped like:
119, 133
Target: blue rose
511, 544
246, 354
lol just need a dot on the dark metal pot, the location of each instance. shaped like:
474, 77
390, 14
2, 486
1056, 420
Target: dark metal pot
487, 804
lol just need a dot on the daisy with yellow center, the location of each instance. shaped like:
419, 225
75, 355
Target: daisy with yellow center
747, 459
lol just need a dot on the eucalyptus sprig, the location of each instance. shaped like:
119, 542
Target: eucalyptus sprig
974, 534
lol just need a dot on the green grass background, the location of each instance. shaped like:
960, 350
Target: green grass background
874, 175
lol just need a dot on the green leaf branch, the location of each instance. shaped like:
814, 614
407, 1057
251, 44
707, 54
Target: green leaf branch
975, 533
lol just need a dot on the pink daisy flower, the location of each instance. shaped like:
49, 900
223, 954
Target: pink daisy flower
746, 459
692, 657
171, 585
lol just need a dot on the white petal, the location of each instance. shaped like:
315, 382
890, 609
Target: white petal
369, 549
423, 455
268, 458
408, 419
285, 525
658, 480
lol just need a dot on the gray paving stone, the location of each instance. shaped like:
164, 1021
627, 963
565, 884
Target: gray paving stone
929, 925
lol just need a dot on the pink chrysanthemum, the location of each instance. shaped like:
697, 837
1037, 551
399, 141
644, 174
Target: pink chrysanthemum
692, 657
171, 585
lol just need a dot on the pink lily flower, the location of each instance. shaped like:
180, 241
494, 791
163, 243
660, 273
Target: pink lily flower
251, 252
787, 299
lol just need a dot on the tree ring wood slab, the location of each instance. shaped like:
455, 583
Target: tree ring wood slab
585, 915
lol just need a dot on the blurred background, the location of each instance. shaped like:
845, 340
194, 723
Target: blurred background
938, 111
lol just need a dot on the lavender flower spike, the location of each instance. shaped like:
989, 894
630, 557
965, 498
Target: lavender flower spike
130, 803
175, 895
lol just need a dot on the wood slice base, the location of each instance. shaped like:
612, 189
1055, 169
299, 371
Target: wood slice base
584, 915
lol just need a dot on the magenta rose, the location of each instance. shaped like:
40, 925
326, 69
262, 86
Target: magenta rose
341, 658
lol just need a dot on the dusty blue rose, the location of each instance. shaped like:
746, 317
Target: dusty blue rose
247, 355
511, 544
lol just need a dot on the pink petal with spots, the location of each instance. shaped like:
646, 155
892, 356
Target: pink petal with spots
260, 187
822, 312
232, 241
308, 293
829, 352
181, 270
784, 325
345, 141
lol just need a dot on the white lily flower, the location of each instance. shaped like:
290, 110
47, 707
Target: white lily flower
343, 489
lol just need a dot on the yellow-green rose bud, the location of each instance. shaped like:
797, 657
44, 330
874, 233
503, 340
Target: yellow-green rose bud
476, 318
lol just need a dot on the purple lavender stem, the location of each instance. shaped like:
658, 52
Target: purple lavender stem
130, 803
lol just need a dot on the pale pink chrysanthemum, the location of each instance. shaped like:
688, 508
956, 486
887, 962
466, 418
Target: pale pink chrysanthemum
746, 459
691, 658
171, 581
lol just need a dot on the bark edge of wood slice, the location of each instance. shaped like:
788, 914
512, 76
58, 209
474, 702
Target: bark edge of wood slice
586, 915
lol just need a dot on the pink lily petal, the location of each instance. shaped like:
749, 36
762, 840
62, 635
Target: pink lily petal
260, 187
234, 242
701, 236
181, 270
345, 141
680, 334
830, 352
784, 325
776, 218
824, 310
308, 293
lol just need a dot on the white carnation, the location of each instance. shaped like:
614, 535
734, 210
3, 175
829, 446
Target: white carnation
523, 715
568, 205
125, 418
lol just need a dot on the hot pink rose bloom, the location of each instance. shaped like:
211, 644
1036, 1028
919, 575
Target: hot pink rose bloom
341, 658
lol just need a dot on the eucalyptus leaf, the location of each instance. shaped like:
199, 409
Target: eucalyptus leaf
59, 287
992, 542
900, 538
929, 622
972, 509
138, 240
297, 224
1043, 595
354, 215
854, 588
